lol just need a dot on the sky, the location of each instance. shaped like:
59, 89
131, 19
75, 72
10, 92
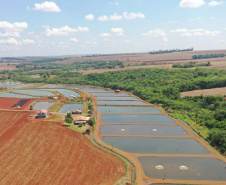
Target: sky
71, 27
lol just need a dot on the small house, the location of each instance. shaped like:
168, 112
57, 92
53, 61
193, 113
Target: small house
117, 90
78, 111
81, 119
71, 98
42, 114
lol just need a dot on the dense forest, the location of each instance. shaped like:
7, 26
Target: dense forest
208, 56
160, 86
170, 51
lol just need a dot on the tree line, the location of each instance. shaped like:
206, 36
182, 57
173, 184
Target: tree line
194, 57
170, 51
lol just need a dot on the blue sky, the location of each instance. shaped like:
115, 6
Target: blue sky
49, 28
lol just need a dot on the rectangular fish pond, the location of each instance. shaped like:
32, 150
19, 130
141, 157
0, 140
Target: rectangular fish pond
137, 118
14, 95
71, 107
65, 92
109, 94
184, 168
35, 92
116, 98
153, 145
100, 102
127, 110
43, 105
147, 130
95, 89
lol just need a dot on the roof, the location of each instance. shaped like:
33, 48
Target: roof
44, 111
82, 118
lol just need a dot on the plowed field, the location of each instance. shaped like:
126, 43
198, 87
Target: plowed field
36, 152
7, 103
205, 92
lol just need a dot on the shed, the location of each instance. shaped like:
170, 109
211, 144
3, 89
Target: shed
78, 111
42, 114
71, 97
81, 119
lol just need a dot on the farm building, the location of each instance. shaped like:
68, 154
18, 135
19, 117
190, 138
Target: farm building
78, 111
70, 98
42, 114
81, 119
117, 90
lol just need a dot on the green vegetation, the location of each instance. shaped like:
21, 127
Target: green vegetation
170, 51
190, 64
68, 118
92, 121
208, 56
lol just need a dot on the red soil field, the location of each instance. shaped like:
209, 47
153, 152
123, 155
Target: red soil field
6, 67
7, 103
38, 152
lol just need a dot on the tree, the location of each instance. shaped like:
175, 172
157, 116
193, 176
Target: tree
92, 121
87, 131
31, 107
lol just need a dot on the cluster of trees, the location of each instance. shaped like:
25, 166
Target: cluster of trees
68, 118
208, 56
170, 51
191, 64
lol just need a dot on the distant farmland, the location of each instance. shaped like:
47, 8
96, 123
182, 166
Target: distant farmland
205, 92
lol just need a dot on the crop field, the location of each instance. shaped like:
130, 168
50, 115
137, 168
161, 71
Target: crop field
7, 103
205, 92
145, 57
6, 67
36, 152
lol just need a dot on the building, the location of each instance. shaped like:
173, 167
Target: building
71, 98
42, 114
81, 119
78, 111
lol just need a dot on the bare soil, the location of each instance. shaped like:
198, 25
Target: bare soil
4, 66
10, 103
205, 92
37, 152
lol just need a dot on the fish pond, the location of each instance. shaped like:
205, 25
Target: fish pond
137, 118
153, 145
147, 130
116, 98
95, 89
65, 92
120, 103
71, 107
43, 105
35, 92
109, 94
14, 95
184, 168
127, 110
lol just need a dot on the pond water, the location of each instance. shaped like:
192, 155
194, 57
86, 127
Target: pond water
13, 85
184, 168
147, 145
13, 95
137, 118
36, 76
100, 102
148, 130
74, 86
95, 89
125, 110
35, 92
43, 105
51, 86
110, 94
71, 107
65, 92
115, 98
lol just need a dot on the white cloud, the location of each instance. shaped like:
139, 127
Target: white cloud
195, 32
64, 31
9, 41
215, 3
8, 29
195, 19
133, 15
116, 3
28, 42
47, 7
192, 3
74, 40
105, 35
89, 17
125, 15
103, 18
118, 31
115, 17
157, 33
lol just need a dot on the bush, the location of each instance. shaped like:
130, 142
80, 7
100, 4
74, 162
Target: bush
87, 131
92, 121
